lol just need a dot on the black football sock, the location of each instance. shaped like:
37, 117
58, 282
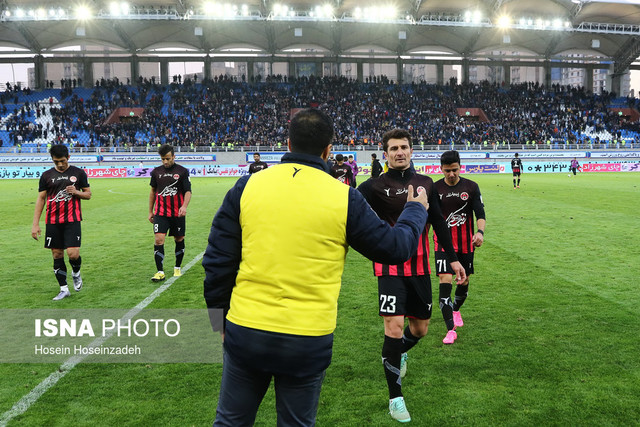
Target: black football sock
60, 270
518, 182
158, 254
446, 306
408, 340
179, 253
391, 354
461, 295
514, 182
76, 264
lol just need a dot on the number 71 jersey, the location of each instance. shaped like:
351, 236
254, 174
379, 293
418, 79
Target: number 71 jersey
458, 204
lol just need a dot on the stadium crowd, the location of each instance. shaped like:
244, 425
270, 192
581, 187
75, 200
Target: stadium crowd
224, 111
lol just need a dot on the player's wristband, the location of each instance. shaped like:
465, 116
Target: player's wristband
481, 232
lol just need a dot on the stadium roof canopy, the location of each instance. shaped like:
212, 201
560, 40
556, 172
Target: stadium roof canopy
536, 29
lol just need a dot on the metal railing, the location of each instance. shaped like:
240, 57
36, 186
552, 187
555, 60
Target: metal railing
370, 148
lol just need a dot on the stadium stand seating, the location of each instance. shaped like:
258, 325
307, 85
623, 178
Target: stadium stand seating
224, 112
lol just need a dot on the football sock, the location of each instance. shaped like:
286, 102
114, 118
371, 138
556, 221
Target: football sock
461, 295
391, 354
60, 270
158, 254
518, 181
514, 182
179, 253
75, 264
408, 340
446, 306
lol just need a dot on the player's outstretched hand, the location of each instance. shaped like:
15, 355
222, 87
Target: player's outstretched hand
420, 198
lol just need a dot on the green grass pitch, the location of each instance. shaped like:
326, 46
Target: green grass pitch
550, 334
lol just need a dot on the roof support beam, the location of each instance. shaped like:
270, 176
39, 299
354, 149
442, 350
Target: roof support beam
626, 55
123, 36
33, 43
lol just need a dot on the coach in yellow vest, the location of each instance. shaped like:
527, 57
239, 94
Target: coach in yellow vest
274, 264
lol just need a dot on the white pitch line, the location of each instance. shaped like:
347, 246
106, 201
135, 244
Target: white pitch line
30, 398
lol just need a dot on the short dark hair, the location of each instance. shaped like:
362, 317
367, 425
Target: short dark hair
310, 131
165, 149
374, 156
394, 134
339, 158
516, 154
450, 157
351, 156
59, 150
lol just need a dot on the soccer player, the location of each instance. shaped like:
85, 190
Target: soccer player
354, 168
168, 201
516, 167
376, 167
61, 188
404, 289
575, 166
460, 200
257, 164
342, 172
274, 264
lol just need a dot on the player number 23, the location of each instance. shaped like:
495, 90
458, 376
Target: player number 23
387, 303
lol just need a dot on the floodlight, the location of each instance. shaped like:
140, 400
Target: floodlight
19, 13
504, 21
83, 12
124, 8
389, 12
357, 13
523, 21
52, 13
477, 17
114, 8
245, 10
41, 13
328, 10
7, 13
557, 23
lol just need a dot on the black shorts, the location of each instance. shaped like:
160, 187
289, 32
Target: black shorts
443, 266
63, 236
516, 173
176, 225
405, 296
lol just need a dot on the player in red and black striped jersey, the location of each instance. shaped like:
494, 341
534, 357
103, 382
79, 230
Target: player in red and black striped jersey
170, 195
257, 164
61, 188
460, 200
404, 290
342, 171
516, 168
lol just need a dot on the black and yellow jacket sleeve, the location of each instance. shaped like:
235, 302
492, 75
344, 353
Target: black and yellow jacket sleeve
279, 240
